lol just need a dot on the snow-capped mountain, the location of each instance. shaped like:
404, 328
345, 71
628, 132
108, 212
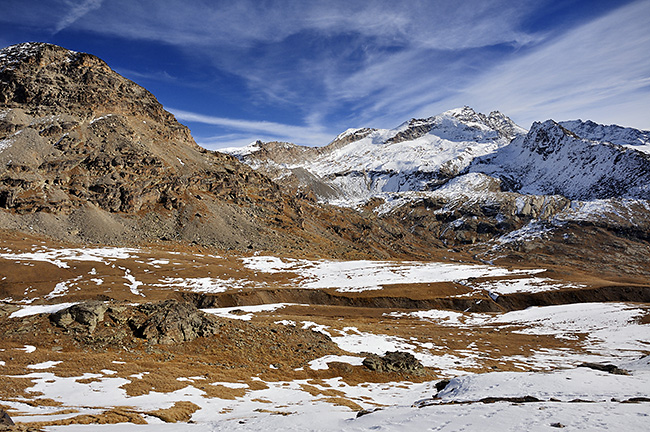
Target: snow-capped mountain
628, 137
552, 160
419, 155
466, 177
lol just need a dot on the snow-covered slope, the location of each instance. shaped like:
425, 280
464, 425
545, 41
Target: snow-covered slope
465, 177
550, 159
628, 137
421, 154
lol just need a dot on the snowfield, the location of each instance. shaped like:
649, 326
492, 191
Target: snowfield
549, 388
577, 398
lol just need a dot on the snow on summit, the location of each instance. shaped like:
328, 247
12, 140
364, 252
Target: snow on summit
420, 154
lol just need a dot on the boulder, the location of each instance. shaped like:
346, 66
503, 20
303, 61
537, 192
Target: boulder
609, 368
5, 419
172, 321
87, 315
394, 361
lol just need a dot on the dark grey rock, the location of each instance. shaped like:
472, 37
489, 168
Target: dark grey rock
5, 419
440, 385
609, 368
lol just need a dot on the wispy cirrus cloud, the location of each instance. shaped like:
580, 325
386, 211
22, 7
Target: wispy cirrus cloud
445, 24
313, 69
599, 71
245, 129
159, 75
77, 9
291, 52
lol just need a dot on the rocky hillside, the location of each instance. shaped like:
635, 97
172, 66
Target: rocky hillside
89, 156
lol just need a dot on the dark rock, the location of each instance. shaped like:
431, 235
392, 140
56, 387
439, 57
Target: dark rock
87, 315
394, 361
637, 399
5, 419
440, 385
172, 321
367, 411
516, 399
609, 368
425, 402
165, 322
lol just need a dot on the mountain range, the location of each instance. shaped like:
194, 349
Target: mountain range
89, 156
468, 178
391, 279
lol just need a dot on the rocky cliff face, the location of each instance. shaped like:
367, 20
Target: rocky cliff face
628, 137
550, 159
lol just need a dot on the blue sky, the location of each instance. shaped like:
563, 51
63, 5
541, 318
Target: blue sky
304, 71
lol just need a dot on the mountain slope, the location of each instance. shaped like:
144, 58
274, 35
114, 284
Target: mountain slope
554, 160
628, 137
89, 156
481, 182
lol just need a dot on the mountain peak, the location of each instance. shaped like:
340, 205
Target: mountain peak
462, 113
44, 79
36, 55
495, 120
546, 137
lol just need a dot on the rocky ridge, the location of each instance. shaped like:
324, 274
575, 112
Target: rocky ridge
553, 160
421, 154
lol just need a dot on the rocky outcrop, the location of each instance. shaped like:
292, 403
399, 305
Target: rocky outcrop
394, 361
83, 316
171, 322
609, 368
167, 322
5, 420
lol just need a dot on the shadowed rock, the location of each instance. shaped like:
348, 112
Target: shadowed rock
5, 420
166, 322
609, 368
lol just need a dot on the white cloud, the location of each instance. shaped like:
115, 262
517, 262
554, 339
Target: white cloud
77, 10
445, 24
249, 131
369, 48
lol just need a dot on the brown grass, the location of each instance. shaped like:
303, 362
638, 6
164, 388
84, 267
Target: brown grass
181, 412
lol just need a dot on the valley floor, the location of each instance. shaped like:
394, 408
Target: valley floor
520, 346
